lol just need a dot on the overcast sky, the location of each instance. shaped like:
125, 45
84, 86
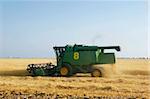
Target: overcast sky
32, 28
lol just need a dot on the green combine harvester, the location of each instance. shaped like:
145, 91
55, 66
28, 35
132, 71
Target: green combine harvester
75, 59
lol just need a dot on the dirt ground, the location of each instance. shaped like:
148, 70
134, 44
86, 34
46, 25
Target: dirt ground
131, 80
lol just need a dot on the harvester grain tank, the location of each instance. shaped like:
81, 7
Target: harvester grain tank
75, 59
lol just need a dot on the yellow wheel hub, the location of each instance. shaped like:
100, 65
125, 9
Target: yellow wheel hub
96, 73
64, 71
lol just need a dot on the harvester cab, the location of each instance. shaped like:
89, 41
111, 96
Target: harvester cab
75, 59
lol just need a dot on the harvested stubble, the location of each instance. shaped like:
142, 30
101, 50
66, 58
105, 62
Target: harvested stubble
131, 80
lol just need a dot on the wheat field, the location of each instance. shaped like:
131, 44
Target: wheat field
131, 80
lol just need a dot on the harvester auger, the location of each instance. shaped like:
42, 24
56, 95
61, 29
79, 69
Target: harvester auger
75, 59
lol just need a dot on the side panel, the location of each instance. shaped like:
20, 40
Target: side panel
79, 58
106, 58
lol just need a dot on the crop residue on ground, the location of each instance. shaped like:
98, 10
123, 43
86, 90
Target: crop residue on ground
131, 81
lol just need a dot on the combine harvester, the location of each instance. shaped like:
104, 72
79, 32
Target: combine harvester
75, 59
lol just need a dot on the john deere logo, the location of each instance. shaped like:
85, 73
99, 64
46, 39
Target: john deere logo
76, 55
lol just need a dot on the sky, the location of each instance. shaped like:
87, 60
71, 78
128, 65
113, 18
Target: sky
31, 28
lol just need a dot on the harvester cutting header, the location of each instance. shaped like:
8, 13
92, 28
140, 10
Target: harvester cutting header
75, 59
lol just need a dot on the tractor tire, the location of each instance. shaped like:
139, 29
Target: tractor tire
97, 72
66, 70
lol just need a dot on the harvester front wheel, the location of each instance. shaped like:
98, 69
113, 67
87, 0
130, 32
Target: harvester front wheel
96, 73
66, 71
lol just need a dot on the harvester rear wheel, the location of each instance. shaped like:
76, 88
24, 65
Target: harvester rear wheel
66, 70
96, 73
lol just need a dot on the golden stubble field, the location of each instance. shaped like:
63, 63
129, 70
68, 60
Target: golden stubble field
132, 79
